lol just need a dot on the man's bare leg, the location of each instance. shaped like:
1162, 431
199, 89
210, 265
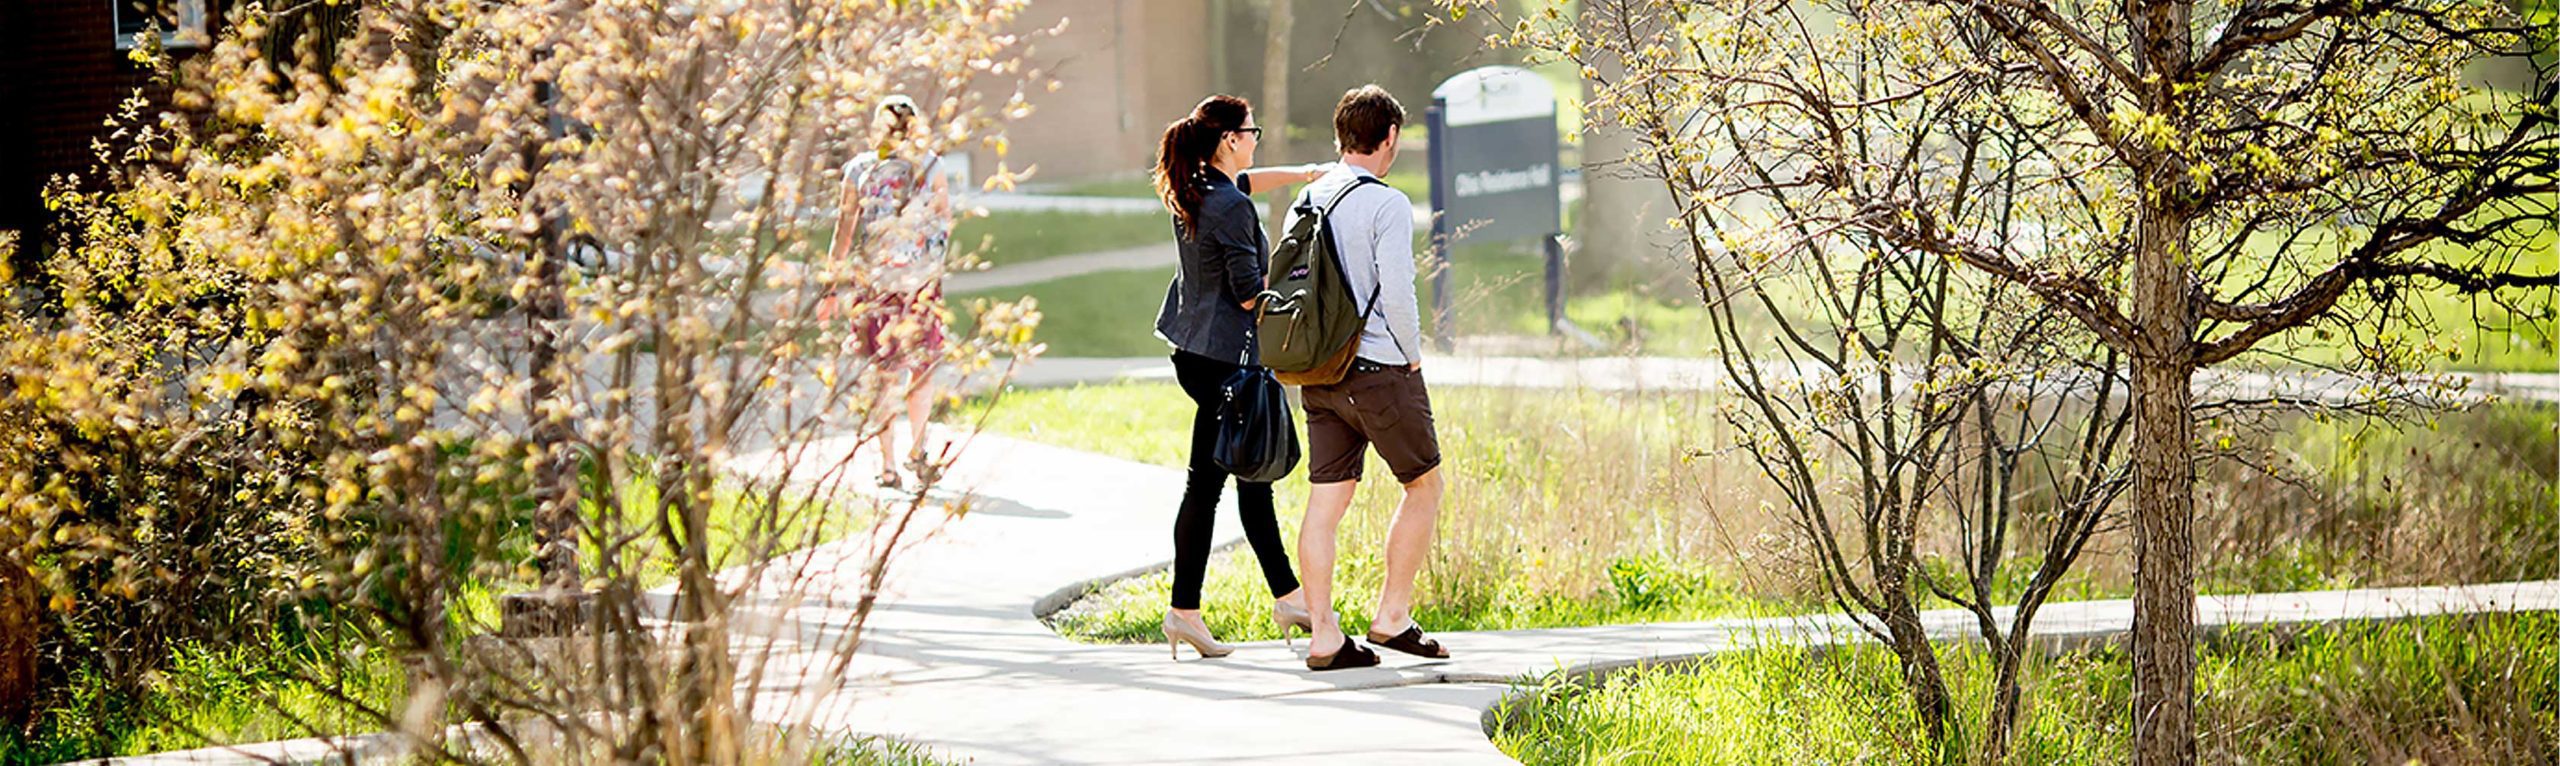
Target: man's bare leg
1326, 503
1408, 545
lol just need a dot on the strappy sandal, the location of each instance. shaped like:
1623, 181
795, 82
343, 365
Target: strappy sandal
1351, 655
922, 467
1412, 642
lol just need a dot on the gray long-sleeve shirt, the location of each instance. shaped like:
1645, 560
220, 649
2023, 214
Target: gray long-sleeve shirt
1373, 230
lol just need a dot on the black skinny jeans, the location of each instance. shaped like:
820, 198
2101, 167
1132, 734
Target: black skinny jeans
1193, 527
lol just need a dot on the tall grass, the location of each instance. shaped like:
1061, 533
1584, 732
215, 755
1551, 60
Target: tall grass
2367, 503
2436, 690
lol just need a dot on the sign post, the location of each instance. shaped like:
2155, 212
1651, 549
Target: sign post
1494, 175
1435, 120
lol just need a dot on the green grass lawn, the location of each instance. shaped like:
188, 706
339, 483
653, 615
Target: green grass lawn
1007, 237
2438, 690
1113, 313
1501, 290
1579, 508
1135, 186
2436, 329
1108, 313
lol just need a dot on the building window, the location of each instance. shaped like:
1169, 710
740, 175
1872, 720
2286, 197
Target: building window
182, 23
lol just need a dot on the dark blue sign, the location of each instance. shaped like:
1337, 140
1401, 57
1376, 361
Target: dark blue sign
1494, 174
1494, 171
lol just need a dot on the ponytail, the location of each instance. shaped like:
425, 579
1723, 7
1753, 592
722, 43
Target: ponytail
1182, 157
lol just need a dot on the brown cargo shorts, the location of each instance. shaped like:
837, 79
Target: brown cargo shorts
1387, 408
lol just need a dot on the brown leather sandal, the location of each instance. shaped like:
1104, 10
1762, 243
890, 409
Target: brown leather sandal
1412, 642
1351, 655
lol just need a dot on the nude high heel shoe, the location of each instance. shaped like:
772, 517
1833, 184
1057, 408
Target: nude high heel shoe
1290, 618
1178, 631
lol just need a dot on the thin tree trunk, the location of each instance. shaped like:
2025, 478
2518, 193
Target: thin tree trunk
22, 620
710, 682
1910, 643
1921, 676
2003, 725
555, 527
555, 475
424, 616
1274, 112
2164, 597
706, 684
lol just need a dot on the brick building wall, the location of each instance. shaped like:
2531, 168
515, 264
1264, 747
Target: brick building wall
1125, 69
61, 75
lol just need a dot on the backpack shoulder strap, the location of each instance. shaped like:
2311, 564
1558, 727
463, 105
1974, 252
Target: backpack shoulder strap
1377, 280
1308, 203
1356, 182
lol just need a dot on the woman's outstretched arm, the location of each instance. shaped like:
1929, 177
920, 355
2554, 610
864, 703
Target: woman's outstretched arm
1252, 180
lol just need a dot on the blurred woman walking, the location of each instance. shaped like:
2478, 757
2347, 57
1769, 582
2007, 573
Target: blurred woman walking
897, 207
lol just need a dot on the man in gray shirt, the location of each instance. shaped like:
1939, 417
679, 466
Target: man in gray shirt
1381, 403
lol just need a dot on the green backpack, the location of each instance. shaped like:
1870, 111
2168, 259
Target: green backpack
1307, 323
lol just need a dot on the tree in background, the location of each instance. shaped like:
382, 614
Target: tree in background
2264, 184
287, 386
1615, 230
1274, 115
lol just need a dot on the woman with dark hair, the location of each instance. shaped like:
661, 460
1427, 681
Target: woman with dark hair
1208, 317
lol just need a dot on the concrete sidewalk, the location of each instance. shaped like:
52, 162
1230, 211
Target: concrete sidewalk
957, 660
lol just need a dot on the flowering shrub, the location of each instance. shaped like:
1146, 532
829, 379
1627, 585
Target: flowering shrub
335, 334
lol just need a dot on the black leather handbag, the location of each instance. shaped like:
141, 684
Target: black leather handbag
1257, 438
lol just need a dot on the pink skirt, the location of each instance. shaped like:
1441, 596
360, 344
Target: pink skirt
898, 330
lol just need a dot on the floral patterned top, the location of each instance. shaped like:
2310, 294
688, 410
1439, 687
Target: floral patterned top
905, 240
